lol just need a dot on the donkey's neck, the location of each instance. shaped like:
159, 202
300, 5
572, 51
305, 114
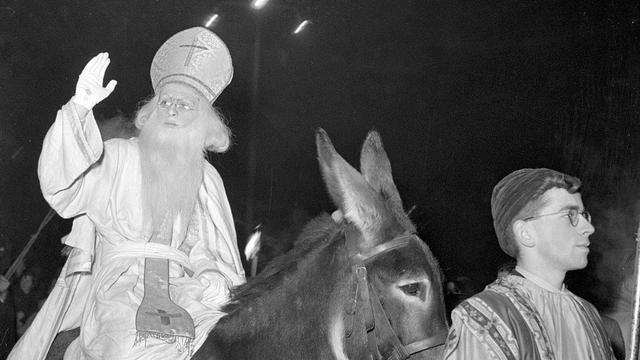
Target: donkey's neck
291, 305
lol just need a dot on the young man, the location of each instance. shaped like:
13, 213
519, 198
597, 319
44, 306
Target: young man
154, 246
540, 221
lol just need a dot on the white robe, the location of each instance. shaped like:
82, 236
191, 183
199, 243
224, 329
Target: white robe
99, 289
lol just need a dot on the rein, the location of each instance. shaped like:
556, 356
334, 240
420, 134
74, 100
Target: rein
366, 296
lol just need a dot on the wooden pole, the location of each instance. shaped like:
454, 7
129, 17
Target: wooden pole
14, 266
633, 354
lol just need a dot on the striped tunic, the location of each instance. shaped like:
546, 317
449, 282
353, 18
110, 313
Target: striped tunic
525, 318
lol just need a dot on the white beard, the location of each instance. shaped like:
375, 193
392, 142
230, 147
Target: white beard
171, 163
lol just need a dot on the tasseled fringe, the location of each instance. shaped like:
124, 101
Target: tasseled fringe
183, 343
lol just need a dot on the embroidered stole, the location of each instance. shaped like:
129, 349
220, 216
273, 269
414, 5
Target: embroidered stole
158, 316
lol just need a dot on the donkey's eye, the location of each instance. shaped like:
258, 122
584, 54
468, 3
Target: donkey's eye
412, 289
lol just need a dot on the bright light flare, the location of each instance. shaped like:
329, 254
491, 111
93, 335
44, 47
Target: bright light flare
212, 20
253, 245
301, 27
259, 4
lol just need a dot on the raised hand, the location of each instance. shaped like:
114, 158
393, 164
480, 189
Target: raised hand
89, 90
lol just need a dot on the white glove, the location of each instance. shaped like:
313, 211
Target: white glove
89, 90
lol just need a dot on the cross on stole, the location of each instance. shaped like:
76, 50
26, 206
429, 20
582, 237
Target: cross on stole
165, 318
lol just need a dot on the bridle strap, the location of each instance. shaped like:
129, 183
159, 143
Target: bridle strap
388, 339
368, 255
364, 294
379, 332
360, 296
426, 344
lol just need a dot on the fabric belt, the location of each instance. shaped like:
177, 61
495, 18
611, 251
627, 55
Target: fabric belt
149, 250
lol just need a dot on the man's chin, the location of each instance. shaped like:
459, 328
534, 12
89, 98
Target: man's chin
580, 264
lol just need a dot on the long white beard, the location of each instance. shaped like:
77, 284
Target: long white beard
172, 169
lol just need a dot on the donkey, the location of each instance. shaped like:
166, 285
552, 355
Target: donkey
364, 287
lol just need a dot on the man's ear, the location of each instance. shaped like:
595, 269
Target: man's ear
140, 121
523, 234
218, 137
141, 118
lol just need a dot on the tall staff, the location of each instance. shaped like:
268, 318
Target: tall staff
14, 266
633, 355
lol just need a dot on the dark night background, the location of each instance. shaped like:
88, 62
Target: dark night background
462, 92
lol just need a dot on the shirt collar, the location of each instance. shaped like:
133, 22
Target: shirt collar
538, 280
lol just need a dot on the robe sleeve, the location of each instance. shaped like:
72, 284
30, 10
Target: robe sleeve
469, 339
71, 148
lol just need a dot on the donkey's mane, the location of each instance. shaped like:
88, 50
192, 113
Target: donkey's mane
315, 235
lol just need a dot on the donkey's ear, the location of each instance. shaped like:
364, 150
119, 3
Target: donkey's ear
349, 190
326, 155
376, 169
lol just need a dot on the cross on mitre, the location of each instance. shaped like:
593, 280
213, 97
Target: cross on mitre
197, 47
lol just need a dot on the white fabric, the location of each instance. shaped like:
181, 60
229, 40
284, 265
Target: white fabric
570, 330
100, 286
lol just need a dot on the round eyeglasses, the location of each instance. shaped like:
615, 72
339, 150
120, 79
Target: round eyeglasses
573, 214
179, 104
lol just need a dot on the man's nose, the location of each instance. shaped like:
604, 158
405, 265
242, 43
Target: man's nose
171, 110
586, 227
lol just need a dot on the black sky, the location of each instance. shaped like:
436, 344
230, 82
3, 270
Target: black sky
462, 92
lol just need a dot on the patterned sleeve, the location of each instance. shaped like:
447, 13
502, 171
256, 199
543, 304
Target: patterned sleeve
478, 333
